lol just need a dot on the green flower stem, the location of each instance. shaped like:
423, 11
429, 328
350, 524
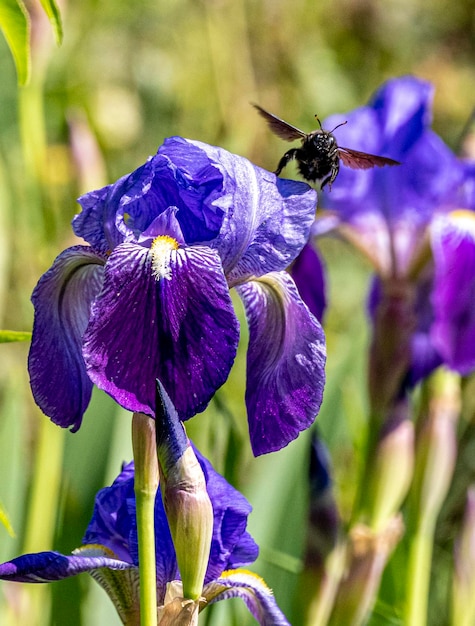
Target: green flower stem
367, 555
436, 451
418, 575
318, 589
145, 487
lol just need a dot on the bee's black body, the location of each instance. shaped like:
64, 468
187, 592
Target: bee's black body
319, 157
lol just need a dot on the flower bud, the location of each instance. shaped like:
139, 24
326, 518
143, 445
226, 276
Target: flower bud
368, 554
392, 468
187, 504
436, 448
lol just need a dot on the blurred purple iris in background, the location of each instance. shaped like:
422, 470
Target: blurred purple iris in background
149, 297
110, 553
407, 221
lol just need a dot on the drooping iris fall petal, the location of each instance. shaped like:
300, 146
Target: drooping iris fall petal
45, 567
285, 362
166, 316
62, 299
250, 588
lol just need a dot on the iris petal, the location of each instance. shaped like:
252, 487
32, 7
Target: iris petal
177, 325
309, 276
285, 362
113, 525
231, 545
62, 300
271, 223
44, 567
453, 331
264, 220
250, 588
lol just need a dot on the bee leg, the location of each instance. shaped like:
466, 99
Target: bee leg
329, 179
288, 156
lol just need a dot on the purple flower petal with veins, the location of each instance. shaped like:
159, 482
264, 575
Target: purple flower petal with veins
282, 396
167, 242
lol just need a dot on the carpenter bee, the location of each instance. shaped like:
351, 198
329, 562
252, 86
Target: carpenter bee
319, 157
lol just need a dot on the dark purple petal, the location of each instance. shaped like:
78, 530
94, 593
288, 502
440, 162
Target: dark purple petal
62, 300
186, 179
424, 356
266, 219
165, 224
201, 187
453, 331
389, 208
45, 567
174, 322
113, 525
285, 362
122, 211
308, 274
231, 545
393, 121
96, 223
403, 106
252, 589
172, 441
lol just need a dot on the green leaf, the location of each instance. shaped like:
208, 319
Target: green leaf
6, 522
15, 24
54, 16
8, 336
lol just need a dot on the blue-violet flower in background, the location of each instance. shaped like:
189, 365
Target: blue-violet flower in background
149, 297
110, 553
407, 221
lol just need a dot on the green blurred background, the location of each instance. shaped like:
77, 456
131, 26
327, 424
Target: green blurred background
128, 75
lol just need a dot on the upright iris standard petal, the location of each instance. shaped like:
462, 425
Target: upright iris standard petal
188, 180
384, 211
62, 299
453, 331
169, 318
285, 362
403, 109
265, 220
278, 228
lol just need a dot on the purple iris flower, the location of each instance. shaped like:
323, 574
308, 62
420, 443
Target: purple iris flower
405, 220
149, 297
110, 553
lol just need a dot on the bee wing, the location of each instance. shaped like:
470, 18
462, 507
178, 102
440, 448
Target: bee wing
279, 127
362, 160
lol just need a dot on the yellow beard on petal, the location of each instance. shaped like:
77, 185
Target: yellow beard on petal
160, 250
